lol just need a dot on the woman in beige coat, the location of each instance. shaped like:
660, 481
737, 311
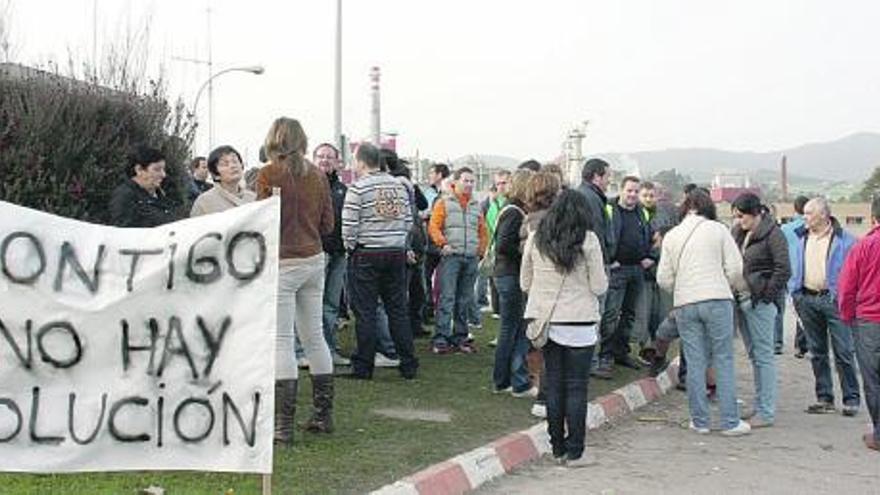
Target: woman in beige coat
564, 275
225, 166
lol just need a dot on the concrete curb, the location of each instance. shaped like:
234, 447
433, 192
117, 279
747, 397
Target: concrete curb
470, 470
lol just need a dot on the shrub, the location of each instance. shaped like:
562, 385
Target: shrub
64, 142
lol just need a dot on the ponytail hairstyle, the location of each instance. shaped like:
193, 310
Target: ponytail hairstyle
286, 144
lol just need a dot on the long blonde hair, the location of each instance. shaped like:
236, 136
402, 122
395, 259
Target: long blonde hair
286, 143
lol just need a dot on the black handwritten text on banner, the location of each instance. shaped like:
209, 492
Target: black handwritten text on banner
124, 349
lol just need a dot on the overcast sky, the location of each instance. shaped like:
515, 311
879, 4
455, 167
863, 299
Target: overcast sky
505, 77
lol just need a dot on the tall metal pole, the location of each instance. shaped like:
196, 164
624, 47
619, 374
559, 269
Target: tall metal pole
376, 126
337, 94
210, 85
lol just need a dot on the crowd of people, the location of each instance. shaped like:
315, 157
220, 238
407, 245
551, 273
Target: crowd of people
600, 275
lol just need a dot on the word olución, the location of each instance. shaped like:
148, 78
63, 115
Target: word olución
193, 420
200, 269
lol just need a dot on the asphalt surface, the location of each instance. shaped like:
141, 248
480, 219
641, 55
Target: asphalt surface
653, 452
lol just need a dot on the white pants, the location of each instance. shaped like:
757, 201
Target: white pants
300, 304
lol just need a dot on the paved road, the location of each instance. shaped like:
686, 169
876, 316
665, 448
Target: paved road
652, 452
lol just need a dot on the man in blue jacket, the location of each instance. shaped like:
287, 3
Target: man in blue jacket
817, 259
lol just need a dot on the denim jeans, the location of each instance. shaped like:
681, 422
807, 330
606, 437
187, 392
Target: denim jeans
867, 336
706, 330
566, 375
300, 290
821, 323
334, 279
457, 274
779, 322
510, 368
655, 306
373, 276
758, 325
384, 342
622, 303
416, 282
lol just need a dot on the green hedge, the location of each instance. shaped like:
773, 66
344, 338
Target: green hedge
63, 143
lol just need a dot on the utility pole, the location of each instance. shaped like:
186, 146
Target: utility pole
375, 121
210, 83
337, 93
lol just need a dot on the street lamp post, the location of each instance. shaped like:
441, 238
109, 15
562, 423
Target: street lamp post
254, 69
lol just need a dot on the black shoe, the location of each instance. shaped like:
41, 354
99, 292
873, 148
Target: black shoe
800, 354
627, 362
603, 370
658, 366
354, 376
681, 386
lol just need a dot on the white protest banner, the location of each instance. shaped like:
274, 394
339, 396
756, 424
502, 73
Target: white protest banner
138, 349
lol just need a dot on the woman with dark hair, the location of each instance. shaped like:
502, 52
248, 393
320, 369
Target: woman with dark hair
766, 270
140, 200
563, 273
703, 306
224, 164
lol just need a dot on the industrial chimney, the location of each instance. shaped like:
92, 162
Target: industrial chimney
375, 127
784, 178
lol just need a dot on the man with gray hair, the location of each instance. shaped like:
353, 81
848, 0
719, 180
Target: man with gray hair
817, 259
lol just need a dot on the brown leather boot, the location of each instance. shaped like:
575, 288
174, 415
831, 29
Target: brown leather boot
285, 410
322, 404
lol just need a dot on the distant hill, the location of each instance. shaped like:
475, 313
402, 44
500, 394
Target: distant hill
850, 159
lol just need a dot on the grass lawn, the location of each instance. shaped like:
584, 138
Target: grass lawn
367, 450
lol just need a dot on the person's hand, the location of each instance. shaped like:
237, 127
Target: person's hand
446, 250
647, 263
614, 265
411, 257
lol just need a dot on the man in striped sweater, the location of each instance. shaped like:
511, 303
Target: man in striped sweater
376, 223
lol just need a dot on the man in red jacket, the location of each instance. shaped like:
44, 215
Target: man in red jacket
859, 303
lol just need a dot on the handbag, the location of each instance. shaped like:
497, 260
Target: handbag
538, 329
487, 264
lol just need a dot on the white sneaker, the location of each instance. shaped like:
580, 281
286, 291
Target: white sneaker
496, 316
493, 342
302, 362
739, 430
531, 393
383, 362
539, 410
701, 431
338, 360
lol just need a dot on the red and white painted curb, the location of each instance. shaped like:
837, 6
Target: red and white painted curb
470, 470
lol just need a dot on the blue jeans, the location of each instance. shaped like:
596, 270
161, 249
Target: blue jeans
566, 377
384, 342
868, 352
622, 304
334, 280
779, 321
706, 330
510, 355
758, 325
457, 276
821, 323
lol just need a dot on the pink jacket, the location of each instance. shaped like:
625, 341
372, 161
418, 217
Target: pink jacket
858, 292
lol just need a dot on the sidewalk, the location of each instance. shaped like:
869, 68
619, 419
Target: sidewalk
653, 452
